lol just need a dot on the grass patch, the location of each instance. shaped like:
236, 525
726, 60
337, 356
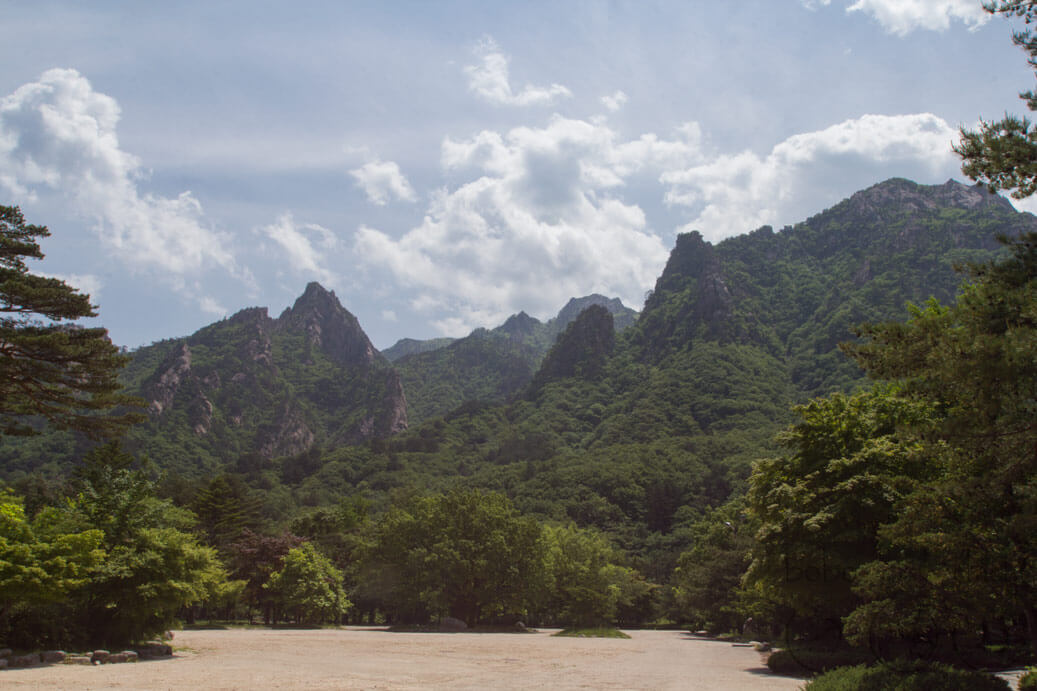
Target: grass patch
598, 632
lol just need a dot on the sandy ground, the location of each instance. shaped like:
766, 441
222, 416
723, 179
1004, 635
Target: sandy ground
358, 658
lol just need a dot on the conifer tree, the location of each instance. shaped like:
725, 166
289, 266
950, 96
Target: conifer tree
51, 368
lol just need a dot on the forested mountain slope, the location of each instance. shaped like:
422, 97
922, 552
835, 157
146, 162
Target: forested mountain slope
489, 365
636, 432
732, 335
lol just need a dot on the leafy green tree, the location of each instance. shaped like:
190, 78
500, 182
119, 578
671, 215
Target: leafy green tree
308, 588
39, 565
50, 367
466, 553
153, 566
820, 507
586, 585
964, 542
708, 575
253, 559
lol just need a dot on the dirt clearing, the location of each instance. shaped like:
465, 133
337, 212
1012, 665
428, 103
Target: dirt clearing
359, 658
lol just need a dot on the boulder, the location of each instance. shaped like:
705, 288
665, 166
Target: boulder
99, 657
153, 649
452, 624
24, 660
131, 655
79, 660
3, 663
51, 657
116, 658
6, 652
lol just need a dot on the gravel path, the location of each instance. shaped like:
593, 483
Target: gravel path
359, 658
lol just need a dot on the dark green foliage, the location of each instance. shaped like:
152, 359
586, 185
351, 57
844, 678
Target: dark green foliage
1003, 154
582, 350
801, 660
466, 554
903, 676
50, 368
1029, 679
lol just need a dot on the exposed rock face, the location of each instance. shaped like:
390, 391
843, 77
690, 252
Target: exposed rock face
272, 387
330, 327
288, 436
169, 377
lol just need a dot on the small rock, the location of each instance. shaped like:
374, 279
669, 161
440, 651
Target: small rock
79, 660
3, 663
100, 657
452, 624
762, 647
53, 656
519, 626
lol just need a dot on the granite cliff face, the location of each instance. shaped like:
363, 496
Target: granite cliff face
270, 387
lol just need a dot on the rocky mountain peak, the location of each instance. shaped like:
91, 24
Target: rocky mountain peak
622, 315
906, 195
518, 326
582, 349
329, 326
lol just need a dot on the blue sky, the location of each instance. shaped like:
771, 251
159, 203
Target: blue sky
443, 165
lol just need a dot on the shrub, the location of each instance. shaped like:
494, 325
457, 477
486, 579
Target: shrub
1029, 679
802, 661
905, 677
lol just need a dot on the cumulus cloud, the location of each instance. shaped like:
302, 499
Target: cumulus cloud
901, 17
382, 181
615, 101
538, 221
296, 242
490, 80
58, 138
734, 193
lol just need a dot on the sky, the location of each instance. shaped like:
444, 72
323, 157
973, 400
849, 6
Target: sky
444, 165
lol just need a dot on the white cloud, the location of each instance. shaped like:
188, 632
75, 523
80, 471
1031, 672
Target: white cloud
381, 181
209, 305
390, 316
58, 138
735, 193
490, 80
537, 222
901, 17
614, 101
297, 247
84, 283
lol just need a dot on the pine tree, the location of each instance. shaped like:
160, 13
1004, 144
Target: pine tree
51, 368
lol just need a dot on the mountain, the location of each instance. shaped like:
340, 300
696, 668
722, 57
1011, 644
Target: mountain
732, 335
637, 432
254, 386
489, 365
411, 346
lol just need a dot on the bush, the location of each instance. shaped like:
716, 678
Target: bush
905, 677
806, 660
1029, 679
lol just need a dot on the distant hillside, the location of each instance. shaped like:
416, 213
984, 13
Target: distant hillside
636, 432
489, 365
